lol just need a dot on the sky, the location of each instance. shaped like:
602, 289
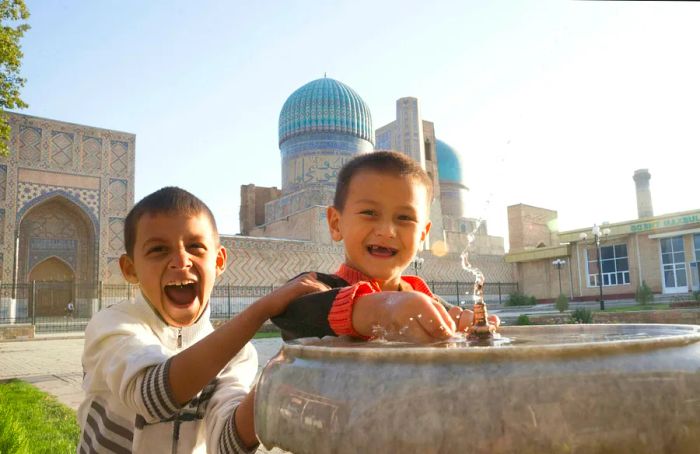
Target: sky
553, 104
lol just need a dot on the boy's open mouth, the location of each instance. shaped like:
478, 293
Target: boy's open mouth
181, 293
381, 251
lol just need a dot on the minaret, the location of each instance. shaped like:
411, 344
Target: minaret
641, 181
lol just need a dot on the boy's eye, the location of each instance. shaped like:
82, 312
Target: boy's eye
197, 246
405, 217
156, 250
368, 212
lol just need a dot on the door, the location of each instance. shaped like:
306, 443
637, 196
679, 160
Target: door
674, 274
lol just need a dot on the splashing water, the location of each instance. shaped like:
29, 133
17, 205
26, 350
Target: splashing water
478, 291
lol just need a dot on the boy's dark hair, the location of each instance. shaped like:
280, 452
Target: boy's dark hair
389, 162
168, 200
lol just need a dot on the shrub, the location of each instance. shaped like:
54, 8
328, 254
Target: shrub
582, 315
523, 319
696, 295
562, 303
520, 299
644, 295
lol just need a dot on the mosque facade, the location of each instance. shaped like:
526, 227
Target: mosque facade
65, 190
322, 125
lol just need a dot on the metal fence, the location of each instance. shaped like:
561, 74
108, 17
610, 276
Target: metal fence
46, 304
461, 292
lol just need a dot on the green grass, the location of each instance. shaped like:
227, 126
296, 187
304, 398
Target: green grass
266, 335
639, 307
31, 421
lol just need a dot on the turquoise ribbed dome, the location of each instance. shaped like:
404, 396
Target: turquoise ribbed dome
449, 163
325, 105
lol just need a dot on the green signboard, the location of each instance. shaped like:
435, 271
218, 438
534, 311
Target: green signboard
663, 223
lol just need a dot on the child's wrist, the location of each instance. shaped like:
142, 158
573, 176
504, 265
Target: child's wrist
261, 310
363, 315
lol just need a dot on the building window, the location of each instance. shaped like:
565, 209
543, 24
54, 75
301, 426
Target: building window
695, 266
616, 267
673, 261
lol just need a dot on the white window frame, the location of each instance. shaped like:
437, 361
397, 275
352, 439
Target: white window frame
674, 266
610, 278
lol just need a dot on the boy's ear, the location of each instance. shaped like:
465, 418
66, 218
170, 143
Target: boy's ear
128, 269
425, 231
221, 256
333, 218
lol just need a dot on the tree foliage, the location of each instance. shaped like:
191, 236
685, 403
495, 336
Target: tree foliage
13, 14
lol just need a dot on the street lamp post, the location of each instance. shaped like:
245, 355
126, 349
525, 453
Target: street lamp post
417, 264
558, 263
597, 233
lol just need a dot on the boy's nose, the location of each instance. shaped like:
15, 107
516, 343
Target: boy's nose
180, 259
386, 229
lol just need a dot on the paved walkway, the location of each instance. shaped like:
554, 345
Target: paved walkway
53, 365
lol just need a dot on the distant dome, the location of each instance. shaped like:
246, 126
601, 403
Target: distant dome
449, 164
325, 105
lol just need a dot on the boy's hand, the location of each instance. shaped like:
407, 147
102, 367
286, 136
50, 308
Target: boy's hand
463, 318
278, 300
407, 316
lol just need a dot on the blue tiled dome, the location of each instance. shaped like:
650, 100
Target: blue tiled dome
325, 105
449, 163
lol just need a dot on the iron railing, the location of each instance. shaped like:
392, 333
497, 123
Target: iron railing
45, 304
461, 292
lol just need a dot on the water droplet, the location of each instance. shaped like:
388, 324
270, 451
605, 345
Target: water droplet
420, 315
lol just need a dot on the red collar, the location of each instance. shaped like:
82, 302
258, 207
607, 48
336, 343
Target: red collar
352, 276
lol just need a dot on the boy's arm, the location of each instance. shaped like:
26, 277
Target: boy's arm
191, 369
307, 316
410, 316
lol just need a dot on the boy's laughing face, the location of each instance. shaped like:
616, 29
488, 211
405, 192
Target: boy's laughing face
175, 262
382, 224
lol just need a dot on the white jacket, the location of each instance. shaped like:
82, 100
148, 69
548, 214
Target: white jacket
128, 405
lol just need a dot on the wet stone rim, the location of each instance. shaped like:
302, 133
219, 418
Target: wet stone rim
661, 336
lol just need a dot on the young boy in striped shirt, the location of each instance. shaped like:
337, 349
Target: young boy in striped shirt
157, 377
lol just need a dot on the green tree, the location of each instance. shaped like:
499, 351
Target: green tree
13, 13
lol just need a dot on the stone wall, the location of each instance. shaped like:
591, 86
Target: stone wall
22, 331
266, 261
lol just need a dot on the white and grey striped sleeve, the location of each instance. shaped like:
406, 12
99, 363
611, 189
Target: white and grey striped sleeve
156, 393
230, 442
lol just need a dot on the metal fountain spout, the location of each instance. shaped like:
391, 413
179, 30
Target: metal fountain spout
480, 328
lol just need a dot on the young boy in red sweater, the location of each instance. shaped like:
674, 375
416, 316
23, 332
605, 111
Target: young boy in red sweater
380, 212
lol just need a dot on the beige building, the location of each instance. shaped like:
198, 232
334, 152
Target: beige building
662, 251
65, 190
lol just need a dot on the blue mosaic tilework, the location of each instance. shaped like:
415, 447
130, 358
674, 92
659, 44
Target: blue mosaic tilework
316, 158
325, 105
449, 163
31, 194
328, 142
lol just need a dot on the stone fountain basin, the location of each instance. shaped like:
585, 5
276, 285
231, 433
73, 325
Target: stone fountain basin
567, 388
